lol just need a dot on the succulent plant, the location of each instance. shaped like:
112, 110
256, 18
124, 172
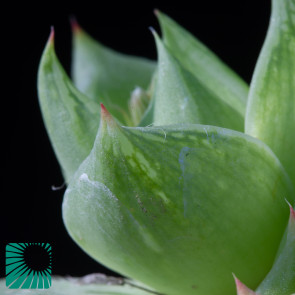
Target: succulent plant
183, 175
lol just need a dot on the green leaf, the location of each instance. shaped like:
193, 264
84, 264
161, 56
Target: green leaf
204, 64
92, 284
181, 98
281, 279
271, 106
71, 118
101, 72
181, 207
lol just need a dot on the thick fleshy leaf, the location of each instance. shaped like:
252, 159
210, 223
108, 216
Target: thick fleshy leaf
271, 106
71, 118
281, 278
91, 284
204, 64
180, 207
180, 97
101, 72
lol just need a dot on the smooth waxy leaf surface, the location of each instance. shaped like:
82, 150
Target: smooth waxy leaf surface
195, 200
78, 286
71, 118
103, 73
204, 64
180, 97
271, 107
281, 278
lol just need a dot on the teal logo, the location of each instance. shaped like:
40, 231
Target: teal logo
28, 265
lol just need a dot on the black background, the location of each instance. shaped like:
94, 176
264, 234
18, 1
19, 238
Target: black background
30, 211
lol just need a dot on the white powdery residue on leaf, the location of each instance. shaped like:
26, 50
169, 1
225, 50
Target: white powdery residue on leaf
100, 186
101, 199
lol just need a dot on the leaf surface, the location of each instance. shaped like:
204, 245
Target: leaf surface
179, 97
71, 119
195, 200
271, 105
204, 64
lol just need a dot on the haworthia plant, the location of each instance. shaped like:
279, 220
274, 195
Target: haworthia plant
187, 199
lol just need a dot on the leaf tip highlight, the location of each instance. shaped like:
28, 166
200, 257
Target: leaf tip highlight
157, 38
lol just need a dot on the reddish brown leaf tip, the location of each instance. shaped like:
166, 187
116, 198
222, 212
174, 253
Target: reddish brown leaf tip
74, 25
242, 289
156, 12
292, 214
106, 118
292, 211
104, 112
51, 36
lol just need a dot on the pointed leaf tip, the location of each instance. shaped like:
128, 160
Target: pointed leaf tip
105, 115
159, 44
242, 289
292, 212
104, 111
156, 12
51, 36
76, 28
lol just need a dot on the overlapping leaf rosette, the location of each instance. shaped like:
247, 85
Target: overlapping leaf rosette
183, 176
